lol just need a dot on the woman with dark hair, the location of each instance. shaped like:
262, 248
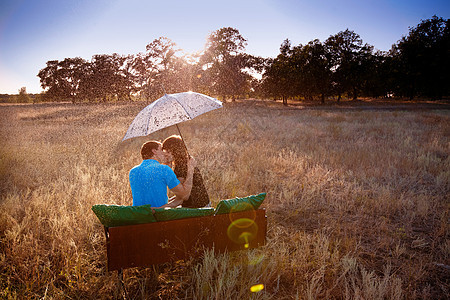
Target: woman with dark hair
178, 155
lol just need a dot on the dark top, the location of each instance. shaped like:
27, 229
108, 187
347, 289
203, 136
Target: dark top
199, 196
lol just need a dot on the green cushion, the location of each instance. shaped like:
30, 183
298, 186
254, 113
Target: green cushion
120, 215
240, 204
167, 214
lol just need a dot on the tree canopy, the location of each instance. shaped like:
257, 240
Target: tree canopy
342, 65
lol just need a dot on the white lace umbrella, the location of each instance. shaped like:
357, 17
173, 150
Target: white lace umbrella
168, 110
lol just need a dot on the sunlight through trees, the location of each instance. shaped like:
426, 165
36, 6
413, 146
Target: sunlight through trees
341, 66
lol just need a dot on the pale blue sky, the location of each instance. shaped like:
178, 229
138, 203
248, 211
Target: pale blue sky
33, 32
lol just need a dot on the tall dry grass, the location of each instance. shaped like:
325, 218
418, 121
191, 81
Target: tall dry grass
357, 202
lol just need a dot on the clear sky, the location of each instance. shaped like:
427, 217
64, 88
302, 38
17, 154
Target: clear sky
33, 32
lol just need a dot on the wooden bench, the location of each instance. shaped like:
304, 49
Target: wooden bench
145, 245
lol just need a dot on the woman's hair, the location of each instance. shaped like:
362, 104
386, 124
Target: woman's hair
147, 149
176, 146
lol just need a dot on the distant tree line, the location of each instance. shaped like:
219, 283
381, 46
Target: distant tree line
21, 97
341, 66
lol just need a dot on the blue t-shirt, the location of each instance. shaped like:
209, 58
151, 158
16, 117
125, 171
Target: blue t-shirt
149, 182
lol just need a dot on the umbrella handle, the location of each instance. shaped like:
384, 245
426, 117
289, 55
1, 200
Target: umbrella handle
182, 140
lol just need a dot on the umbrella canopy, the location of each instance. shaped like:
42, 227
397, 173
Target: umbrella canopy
169, 110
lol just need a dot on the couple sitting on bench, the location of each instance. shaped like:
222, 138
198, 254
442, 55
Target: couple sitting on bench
149, 180
157, 234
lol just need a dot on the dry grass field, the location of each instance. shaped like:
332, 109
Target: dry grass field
357, 201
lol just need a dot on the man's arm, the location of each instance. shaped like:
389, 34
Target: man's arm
183, 190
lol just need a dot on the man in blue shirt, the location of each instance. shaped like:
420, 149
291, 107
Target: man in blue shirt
149, 180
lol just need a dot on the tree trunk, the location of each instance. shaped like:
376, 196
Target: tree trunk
285, 101
339, 98
322, 99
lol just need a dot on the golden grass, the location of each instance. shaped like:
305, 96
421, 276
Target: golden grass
357, 202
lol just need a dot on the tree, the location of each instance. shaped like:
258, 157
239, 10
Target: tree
314, 67
126, 84
62, 79
378, 80
23, 96
348, 57
49, 79
73, 72
423, 59
108, 77
224, 62
101, 77
159, 63
299, 71
105, 77
278, 79
139, 74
